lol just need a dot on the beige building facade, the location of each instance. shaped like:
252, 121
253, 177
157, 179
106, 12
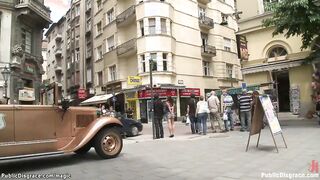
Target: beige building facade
276, 62
191, 45
56, 54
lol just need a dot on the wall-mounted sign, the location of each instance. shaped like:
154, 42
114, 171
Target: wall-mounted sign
162, 93
26, 94
242, 47
82, 93
188, 91
29, 68
180, 82
134, 80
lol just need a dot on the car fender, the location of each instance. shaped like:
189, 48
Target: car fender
83, 137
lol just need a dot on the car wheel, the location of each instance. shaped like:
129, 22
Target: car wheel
108, 143
134, 130
83, 150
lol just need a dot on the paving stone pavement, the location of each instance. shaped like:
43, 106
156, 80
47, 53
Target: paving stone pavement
214, 156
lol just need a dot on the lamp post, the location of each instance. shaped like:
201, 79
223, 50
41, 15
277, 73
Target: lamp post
5, 73
152, 99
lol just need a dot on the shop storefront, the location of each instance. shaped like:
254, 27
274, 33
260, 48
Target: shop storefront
132, 102
145, 100
185, 96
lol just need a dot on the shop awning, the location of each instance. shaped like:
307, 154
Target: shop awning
271, 66
238, 90
96, 99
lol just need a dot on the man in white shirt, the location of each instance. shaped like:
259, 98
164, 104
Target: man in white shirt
214, 106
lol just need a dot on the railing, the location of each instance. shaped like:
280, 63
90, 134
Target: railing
207, 49
34, 4
126, 14
127, 46
206, 21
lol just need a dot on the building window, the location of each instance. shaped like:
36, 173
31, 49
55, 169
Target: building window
276, 52
72, 57
99, 78
78, 10
224, 19
110, 42
99, 5
154, 64
99, 52
206, 68
152, 25
229, 70
89, 79
26, 40
227, 44
266, 3
165, 61
110, 16
143, 62
113, 73
99, 28
77, 56
163, 26
142, 27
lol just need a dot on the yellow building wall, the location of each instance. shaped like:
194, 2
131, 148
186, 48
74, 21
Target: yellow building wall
302, 77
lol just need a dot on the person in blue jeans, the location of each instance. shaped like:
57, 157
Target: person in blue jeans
202, 114
227, 102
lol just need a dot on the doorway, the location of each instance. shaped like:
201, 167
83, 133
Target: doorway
283, 88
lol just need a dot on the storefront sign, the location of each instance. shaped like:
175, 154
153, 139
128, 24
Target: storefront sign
82, 94
188, 91
26, 94
162, 93
242, 47
134, 80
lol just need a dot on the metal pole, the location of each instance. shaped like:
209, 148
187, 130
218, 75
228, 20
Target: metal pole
5, 91
152, 100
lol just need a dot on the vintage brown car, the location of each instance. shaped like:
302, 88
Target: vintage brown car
37, 130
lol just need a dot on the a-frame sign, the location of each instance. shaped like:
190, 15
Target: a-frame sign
265, 108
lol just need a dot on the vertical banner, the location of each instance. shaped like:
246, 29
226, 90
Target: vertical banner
243, 54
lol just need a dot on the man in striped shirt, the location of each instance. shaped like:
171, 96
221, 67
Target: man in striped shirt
245, 110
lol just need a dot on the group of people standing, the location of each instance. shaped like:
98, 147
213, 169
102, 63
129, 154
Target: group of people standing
199, 112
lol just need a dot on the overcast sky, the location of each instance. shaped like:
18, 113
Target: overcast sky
58, 8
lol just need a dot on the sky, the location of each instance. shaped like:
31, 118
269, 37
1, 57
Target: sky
58, 8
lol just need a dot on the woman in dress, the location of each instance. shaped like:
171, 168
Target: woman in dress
171, 113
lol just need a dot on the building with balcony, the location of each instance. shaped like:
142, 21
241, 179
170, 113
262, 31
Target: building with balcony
275, 61
56, 54
21, 26
188, 48
79, 63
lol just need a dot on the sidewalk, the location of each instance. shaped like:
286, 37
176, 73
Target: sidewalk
183, 131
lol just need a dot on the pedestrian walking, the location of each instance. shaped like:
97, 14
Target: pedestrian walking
202, 114
245, 110
214, 108
158, 115
191, 113
227, 114
171, 114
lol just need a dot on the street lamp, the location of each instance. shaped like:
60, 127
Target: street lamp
5, 73
152, 99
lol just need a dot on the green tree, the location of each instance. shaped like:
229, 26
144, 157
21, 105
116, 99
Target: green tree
296, 18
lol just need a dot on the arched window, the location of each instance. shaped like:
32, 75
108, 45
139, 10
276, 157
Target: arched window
276, 52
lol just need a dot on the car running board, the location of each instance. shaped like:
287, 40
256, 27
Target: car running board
31, 155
